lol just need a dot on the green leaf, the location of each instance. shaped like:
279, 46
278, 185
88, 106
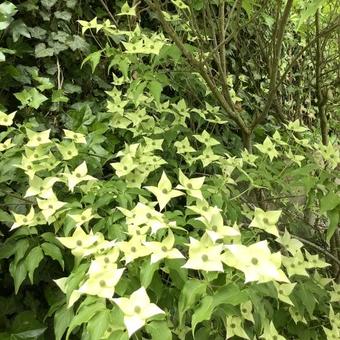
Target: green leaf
58, 97
62, 319
191, 292
310, 9
32, 261
93, 59
98, 324
19, 28
32, 98
333, 216
159, 330
155, 88
84, 314
41, 51
203, 312
53, 252
33, 333
147, 272
18, 272
329, 202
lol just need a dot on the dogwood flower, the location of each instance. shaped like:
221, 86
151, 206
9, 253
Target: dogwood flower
164, 192
191, 186
85, 216
21, 220
293, 245
137, 310
164, 249
332, 334
206, 139
77, 176
41, 187
6, 119
249, 157
102, 284
296, 315
184, 146
313, 261
295, 158
335, 294
49, 206
295, 265
37, 138
208, 156
68, 150
7, 144
234, 327
125, 166
246, 311
268, 148
255, 261
296, 126
266, 220
77, 137
270, 332
284, 290
216, 228
202, 208
104, 262
134, 248
278, 139
80, 243
204, 255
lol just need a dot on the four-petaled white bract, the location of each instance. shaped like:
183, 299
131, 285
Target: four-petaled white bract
137, 310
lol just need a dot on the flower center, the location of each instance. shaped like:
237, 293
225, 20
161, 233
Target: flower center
214, 228
133, 249
78, 175
79, 243
164, 248
50, 206
204, 257
137, 309
39, 139
148, 215
189, 186
254, 261
265, 220
232, 325
25, 220
106, 260
164, 191
102, 283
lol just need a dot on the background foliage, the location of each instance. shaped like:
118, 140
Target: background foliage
243, 96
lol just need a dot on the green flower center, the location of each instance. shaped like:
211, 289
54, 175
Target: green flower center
265, 220
39, 139
189, 186
133, 249
102, 283
125, 167
204, 257
29, 167
25, 220
35, 155
205, 209
79, 243
69, 153
244, 310
137, 309
83, 218
78, 175
232, 325
254, 261
152, 47
106, 260
164, 191
148, 215
164, 248
214, 228
281, 292
292, 265
50, 206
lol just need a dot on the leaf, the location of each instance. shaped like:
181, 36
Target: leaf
329, 202
147, 272
230, 294
159, 330
203, 312
32, 98
63, 15
33, 333
310, 10
32, 261
191, 292
53, 252
98, 324
19, 28
58, 97
155, 88
62, 319
18, 272
93, 59
333, 216
84, 314
41, 51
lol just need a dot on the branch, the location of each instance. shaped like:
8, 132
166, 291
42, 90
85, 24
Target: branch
274, 65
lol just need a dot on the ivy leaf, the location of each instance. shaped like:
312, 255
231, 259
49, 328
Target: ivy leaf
19, 28
41, 51
58, 97
32, 98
